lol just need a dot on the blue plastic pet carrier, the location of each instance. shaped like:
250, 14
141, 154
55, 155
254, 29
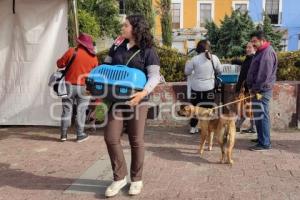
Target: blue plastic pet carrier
115, 82
230, 73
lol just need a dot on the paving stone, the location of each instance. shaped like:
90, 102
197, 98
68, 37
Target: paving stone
40, 167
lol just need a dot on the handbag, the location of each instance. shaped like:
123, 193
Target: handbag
57, 79
218, 81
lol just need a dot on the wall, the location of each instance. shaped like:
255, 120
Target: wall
189, 13
157, 19
222, 7
284, 108
290, 18
256, 10
290, 21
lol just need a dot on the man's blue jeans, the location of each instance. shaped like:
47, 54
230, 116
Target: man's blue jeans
262, 118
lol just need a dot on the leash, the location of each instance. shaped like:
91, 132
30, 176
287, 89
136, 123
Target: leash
257, 96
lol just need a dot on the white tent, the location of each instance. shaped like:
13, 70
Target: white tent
31, 40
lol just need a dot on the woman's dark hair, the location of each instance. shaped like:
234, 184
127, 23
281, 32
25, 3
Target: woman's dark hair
141, 31
204, 46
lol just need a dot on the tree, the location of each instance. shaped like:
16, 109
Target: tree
88, 5
88, 23
106, 13
166, 21
212, 35
235, 34
230, 39
143, 7
272, 35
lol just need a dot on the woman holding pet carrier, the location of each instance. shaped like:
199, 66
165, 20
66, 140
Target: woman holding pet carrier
136, 48
204, 65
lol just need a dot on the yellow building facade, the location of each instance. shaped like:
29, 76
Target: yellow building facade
191, 14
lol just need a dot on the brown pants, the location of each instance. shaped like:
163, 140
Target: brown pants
135, 130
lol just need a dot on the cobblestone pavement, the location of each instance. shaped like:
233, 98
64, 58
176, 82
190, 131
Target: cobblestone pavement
34, 165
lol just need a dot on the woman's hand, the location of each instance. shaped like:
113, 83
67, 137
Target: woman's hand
137, 97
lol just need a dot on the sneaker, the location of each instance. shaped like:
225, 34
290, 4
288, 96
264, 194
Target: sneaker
135, 188
115, 187
194, 130
250, 130
63, 137
260, 148
81, 138
254, 140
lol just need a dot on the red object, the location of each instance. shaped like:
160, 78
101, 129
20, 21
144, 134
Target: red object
86, 41
264, 46
119, 40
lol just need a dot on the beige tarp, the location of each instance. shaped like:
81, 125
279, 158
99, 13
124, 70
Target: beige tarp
31, 40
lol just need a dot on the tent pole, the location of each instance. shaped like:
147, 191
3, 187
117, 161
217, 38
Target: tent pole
14, 6
75, 17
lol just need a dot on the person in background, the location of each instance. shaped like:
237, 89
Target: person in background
83, 63
260, 80
135, 47
242, 89
203, 80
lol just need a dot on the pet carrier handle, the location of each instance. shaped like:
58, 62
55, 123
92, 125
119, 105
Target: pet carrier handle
138, 51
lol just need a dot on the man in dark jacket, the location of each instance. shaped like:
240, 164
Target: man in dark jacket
242, 86
260, 79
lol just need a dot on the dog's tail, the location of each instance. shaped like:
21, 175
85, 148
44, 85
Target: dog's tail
226, 132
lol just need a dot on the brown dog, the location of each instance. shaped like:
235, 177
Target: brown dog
223, 127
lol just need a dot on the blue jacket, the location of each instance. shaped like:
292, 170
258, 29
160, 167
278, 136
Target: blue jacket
262, 72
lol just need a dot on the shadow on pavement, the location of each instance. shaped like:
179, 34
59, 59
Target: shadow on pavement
177, 154
39, 133
18, 178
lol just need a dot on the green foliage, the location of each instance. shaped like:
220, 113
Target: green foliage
231, 38
272, 35
213, 34
288, 68
106, 13
88, 5
297, 63
143, 7
101, 111
88, 24
166, 22
172, 64
233, 34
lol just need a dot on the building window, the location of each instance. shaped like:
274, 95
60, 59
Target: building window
175, 8
272, 9
122, 6
243, 7
205, 13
